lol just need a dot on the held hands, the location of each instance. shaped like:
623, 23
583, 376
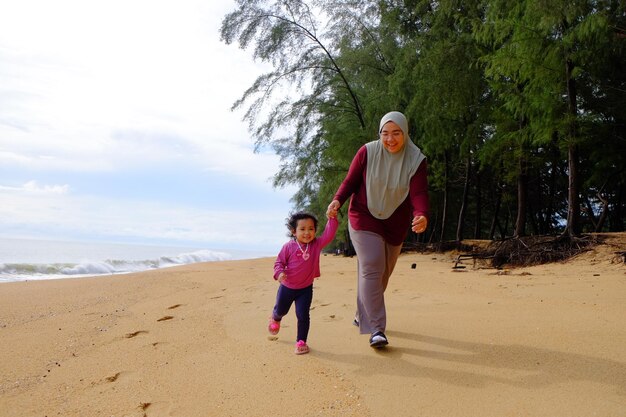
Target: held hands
333, 208
419, 224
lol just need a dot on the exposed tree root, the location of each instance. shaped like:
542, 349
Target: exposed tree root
535, 250
516, 251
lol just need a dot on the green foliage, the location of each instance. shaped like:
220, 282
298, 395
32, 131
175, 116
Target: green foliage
511, 87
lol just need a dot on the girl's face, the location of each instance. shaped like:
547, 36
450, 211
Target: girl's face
305, 231
392, 137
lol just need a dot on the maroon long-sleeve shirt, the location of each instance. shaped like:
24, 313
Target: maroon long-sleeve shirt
395, 228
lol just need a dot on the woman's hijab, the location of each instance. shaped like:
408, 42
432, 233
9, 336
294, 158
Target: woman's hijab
389, 174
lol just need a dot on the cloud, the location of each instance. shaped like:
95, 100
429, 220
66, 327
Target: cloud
30, 213
121, 112
72, 87
10, 158
31, 187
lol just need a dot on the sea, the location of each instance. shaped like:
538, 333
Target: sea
30, 259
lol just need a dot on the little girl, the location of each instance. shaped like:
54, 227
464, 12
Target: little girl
297, 265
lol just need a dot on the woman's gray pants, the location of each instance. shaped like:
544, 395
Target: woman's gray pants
375, 262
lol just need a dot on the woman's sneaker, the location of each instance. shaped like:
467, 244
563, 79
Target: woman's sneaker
274, 326
378, 340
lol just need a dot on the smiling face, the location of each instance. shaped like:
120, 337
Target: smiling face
392, 137
305, 231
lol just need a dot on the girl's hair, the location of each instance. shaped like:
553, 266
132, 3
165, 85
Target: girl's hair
292, 220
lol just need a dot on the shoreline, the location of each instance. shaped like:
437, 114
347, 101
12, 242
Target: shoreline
32, 260
192, 341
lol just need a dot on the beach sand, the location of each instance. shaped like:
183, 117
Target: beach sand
189, 341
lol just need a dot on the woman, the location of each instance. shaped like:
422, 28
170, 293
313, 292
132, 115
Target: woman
389, 189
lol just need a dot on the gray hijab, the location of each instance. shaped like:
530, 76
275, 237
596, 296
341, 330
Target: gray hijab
389, 174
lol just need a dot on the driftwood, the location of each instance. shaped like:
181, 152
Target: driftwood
472, 256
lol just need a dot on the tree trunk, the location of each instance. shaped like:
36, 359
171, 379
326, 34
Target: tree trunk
573, 206
445, 197
590, 214
573, 209
532, 217
522, 196
434, 229
496, 212
605, 206
479, 204
504, 230
462, 211
603, 213
618, 224
549, 213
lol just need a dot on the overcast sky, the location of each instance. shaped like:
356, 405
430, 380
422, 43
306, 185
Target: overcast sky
115, 126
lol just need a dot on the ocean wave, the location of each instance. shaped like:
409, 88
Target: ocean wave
28, 271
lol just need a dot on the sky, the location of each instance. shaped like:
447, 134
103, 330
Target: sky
115, 125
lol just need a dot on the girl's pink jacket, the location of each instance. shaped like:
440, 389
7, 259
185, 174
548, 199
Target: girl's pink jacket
300, 272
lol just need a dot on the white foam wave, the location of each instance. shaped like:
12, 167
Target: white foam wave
32, 271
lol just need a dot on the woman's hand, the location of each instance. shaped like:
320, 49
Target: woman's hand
419, 224
282, 277
333, 208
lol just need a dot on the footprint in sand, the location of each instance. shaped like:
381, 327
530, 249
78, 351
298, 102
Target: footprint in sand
112, 378
332, 317
133, 334
155, 409
172, 307
115, 377
320, 305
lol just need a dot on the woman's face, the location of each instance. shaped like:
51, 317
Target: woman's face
392, 137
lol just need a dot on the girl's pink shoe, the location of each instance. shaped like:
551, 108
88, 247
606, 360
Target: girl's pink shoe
274, 326
301, 348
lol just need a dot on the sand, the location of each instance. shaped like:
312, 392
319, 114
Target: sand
190, 341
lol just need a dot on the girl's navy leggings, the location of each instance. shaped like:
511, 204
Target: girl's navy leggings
302, 298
